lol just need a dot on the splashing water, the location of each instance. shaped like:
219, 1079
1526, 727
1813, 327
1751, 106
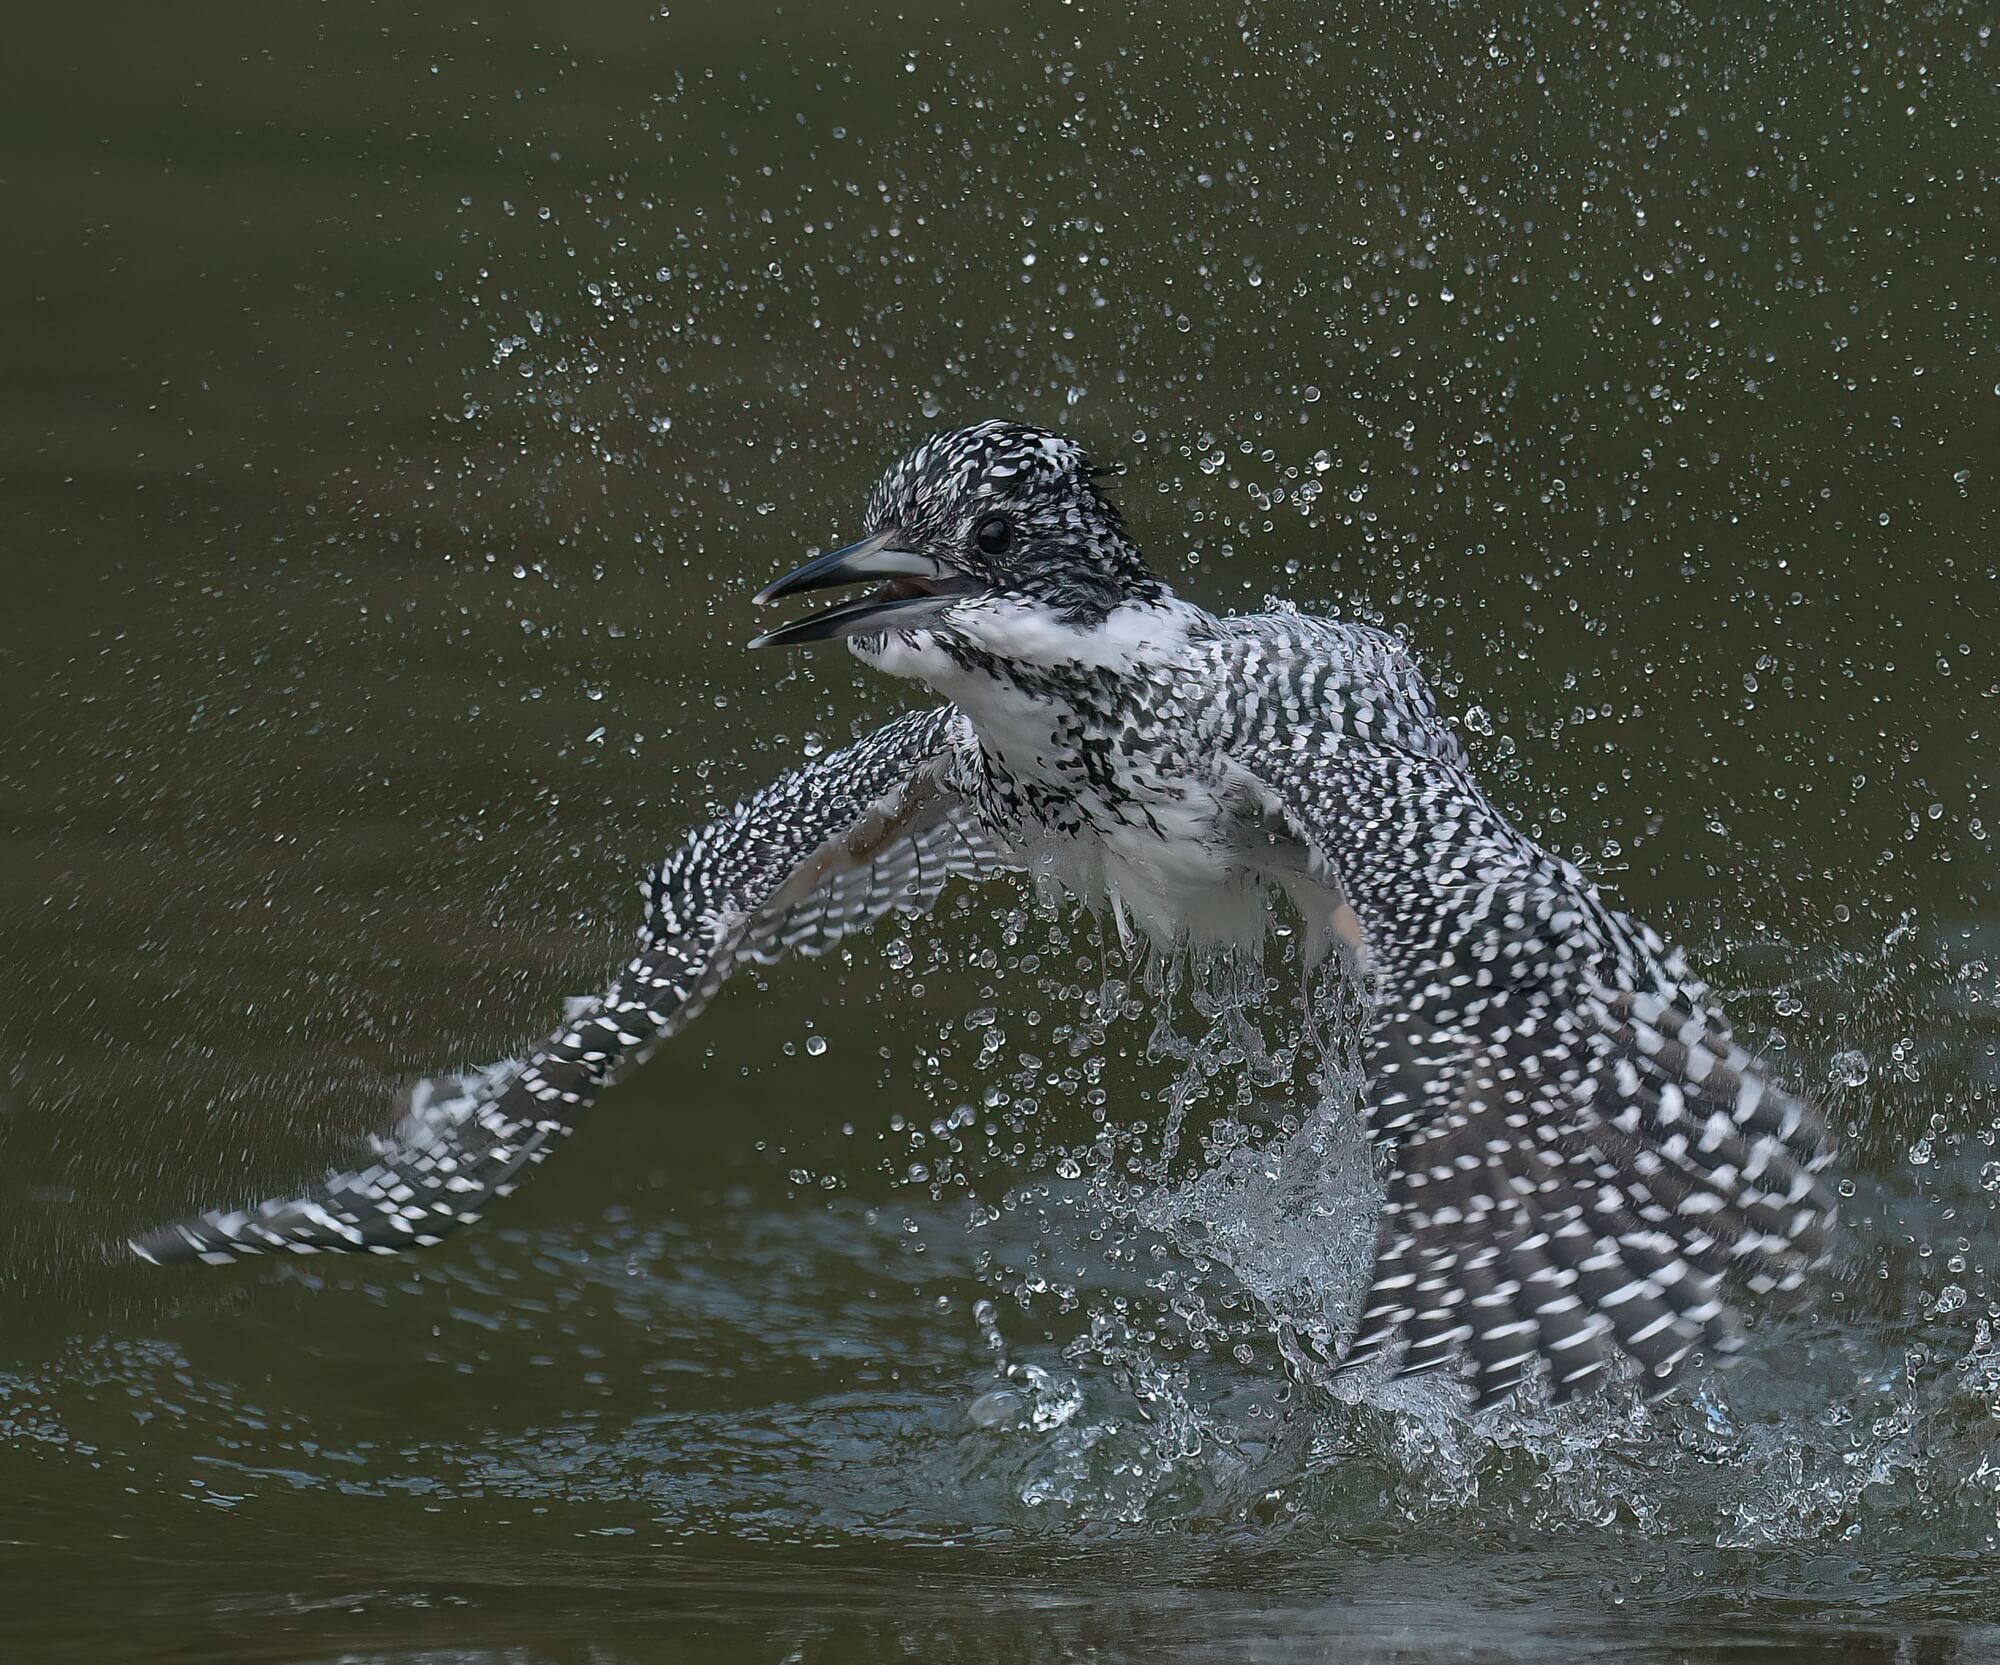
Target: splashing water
1173, 1267
1631, 360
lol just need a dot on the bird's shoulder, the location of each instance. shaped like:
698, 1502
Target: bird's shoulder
1283, 634
1314, 664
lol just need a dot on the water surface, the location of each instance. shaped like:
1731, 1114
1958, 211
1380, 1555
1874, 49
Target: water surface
397, 409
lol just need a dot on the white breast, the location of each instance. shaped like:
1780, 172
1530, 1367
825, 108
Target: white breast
1176, 878
1168, 858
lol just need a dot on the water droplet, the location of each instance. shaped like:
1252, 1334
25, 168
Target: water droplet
995, 1410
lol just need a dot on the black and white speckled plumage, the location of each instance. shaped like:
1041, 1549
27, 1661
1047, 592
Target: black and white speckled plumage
1578, 1153
821, 852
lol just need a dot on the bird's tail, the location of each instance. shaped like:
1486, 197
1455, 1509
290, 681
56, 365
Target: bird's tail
1580, 1181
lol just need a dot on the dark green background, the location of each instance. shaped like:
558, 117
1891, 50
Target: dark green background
397, 406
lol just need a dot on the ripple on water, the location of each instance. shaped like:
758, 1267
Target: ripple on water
1081, 1361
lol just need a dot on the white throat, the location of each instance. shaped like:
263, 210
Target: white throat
1033, 635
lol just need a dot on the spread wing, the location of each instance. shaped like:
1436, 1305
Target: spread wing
1580, 1152
819, 853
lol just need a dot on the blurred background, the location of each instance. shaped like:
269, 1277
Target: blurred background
398, 405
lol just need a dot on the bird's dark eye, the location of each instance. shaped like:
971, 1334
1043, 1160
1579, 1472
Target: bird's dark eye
995, 535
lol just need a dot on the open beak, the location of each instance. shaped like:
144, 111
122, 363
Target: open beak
918, 587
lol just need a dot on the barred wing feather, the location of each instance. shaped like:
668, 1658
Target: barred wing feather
822, 852
1580, 1153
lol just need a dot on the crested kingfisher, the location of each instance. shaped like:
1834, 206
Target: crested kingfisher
1579, 1160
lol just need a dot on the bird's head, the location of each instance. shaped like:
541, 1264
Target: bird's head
991, 539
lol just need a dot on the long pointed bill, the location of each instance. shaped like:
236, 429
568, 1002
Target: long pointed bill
855, 618
870, 558
917, 587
